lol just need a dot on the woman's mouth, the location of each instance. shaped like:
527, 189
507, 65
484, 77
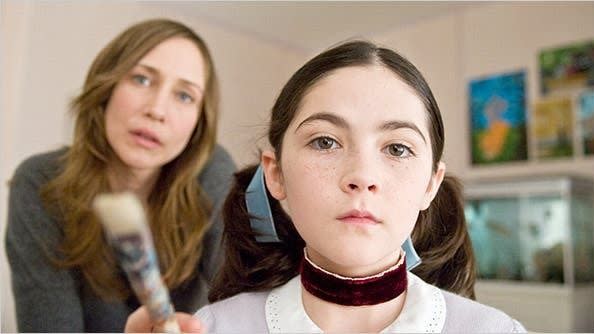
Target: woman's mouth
145, 138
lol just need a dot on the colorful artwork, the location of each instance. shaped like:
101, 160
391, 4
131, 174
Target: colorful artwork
553, 128
586, 120
568, 67
498, 118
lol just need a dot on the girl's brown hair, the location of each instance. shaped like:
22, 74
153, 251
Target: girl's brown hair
178, 211
440, 235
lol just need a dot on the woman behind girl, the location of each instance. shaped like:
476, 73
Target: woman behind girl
146, 123
354, 168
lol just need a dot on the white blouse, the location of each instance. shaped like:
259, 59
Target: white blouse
424, 309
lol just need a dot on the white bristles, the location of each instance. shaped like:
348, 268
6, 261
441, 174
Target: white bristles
120, 213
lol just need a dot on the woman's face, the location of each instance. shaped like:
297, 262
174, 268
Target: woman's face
153, 110
356, 169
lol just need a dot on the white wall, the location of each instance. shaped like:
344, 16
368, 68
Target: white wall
12, 26
47, 48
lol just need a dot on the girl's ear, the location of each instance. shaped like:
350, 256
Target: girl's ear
433, 186
273, 175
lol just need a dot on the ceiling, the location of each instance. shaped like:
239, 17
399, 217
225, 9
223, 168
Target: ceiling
310, 26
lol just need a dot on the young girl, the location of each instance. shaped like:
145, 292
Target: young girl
354, 168
145, 122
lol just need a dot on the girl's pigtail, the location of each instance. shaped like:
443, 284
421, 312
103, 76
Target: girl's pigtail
442, 241
249, 265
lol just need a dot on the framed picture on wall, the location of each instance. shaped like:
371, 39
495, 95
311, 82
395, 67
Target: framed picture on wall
567, 68
498, 118
552, 128
586, 120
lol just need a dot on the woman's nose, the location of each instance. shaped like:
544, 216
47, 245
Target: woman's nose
157, 106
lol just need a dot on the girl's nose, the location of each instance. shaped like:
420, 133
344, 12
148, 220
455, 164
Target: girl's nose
359, 177
355, 186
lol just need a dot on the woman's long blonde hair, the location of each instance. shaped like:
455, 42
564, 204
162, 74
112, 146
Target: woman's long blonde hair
178, 211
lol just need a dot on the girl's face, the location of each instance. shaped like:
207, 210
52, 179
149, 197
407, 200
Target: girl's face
153, 110
356, 169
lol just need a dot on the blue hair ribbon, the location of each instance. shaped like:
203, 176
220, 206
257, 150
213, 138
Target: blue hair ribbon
259, 210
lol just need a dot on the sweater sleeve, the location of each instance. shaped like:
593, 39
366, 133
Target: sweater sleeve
517, 327
215, 179
46, 298
468, 316
206, 318
242, 313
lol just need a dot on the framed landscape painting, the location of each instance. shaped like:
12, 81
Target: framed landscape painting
498, 118
567, 68
552, 128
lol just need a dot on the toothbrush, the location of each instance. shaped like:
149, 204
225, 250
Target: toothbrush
124, 220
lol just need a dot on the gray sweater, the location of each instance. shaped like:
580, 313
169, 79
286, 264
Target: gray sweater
48, 299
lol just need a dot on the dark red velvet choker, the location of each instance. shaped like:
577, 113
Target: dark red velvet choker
371, 290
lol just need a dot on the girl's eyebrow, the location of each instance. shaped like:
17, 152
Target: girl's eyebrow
155, 71
328, 117
394, 125
342, 123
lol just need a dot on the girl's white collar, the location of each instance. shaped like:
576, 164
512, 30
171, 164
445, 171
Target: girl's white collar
423, 311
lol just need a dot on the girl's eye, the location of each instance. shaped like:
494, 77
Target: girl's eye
141, 79
185, 97
399, 150
323, 143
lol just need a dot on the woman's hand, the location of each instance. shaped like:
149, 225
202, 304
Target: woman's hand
140, 322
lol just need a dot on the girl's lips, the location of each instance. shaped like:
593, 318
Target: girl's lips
358, 217
358, 220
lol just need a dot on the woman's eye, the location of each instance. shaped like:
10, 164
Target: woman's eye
399, 150
141, 79
185, 97
323, 143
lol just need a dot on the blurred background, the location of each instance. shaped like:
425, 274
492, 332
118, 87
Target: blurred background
530, 217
